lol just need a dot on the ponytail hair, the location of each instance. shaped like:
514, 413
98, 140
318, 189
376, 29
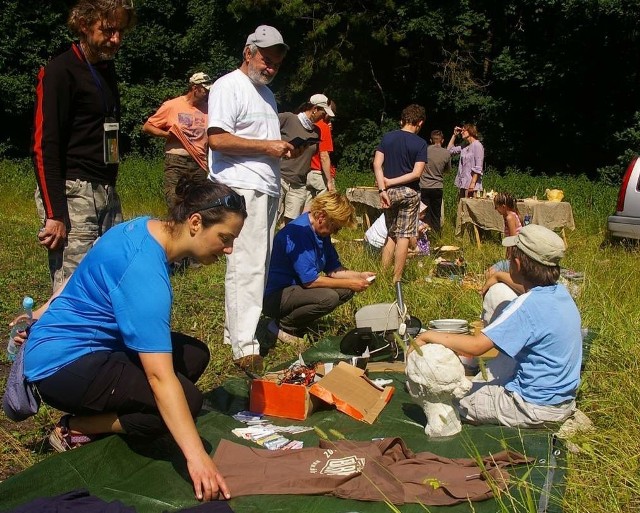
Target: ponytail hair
214, 201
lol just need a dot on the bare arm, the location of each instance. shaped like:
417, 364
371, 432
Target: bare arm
21, 336
325, 162
502, 277
473, 345
418, 168
472, 184
38, 312
224, 142
452, 141
378, 162
148, 128
172, 405
342, 279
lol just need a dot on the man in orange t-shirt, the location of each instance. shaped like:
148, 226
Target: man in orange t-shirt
182, 121
321, 177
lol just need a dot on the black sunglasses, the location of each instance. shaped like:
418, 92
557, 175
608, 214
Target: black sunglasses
230, 201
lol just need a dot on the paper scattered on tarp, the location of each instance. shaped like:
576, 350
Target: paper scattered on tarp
268, 435
381, 383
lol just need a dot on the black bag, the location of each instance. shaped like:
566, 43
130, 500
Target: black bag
382, 346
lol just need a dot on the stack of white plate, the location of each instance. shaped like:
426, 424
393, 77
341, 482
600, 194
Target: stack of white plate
449, 325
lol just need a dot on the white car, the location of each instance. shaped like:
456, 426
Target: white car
625, 223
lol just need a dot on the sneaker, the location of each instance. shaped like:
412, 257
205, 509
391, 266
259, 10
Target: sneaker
283, 336
577, 423
61, 438
252, 363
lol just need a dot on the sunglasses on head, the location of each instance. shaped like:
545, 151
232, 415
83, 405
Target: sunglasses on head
230, 201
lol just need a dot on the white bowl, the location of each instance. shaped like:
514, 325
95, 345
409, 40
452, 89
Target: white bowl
449, 324
459, 331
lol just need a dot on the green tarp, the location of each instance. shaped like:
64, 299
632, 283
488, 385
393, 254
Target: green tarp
152, 476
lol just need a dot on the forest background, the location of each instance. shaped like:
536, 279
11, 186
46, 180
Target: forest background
553, 85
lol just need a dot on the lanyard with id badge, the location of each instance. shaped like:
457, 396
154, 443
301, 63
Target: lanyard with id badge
110, 141
111, 130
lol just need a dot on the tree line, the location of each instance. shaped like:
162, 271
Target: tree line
551, 84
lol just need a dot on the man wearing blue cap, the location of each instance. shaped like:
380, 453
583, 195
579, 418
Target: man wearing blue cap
245, 151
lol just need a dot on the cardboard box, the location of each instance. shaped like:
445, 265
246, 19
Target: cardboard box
285, 400
352, 393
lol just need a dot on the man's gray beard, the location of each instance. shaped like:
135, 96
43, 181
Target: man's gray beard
258, 78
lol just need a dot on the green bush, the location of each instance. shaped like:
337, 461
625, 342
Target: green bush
356, 144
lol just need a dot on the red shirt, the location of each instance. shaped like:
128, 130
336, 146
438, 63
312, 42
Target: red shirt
326, 144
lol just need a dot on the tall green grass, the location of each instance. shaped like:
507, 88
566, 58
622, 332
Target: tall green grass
603, 477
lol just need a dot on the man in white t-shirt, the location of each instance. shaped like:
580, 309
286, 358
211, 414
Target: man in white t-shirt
244, 153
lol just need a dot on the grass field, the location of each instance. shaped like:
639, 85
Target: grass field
603, 477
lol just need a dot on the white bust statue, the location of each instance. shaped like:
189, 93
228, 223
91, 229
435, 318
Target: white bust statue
435, 378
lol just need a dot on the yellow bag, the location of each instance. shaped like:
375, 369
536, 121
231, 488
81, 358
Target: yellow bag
554, 194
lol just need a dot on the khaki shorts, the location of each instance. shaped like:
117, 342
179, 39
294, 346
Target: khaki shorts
315, 186
292, 199
493, 404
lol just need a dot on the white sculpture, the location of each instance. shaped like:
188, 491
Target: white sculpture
435, 378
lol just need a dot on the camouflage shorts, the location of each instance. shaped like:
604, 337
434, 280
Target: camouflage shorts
93, 209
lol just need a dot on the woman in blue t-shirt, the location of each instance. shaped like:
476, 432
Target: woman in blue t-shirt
102, 349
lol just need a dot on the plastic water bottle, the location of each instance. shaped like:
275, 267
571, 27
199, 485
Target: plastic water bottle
12, 348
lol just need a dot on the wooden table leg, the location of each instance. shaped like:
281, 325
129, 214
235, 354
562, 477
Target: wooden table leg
477, 233
564, 237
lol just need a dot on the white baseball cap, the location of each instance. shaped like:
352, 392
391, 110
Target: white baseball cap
320, 100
